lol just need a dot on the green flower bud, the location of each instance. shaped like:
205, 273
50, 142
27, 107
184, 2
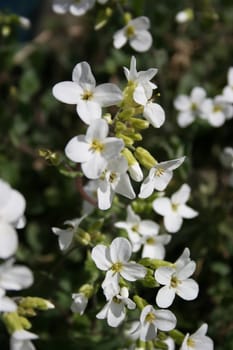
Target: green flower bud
155, 263
127, 140
145, 158
14, 322
87, 290
35, 303
126, 114
129, 156
177, 336
140, 302
139, 123
149, 280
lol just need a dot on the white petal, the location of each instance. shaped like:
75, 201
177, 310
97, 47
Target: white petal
153, 251
89, 111
124, 187
104, 312
182, 103
24, 335
148, 331
165, 320
16, 278
183, 272
164, 274
187, 212
171, 164
120, 250
105, 196
173, 222
64, 237
216, 119
112, 147
100, 255
119, 39
78, 150
161, 181
60, 7
155, 114
7, 305
14, 208
148, 228
198, 94
140, 23
116, 314
107, 94
147, 187
98, 130
139, 95
93, 168
67, 92
8, 240
162, 206
182, 195
188, 289
132, 271
184, 119
82, 75
142, 41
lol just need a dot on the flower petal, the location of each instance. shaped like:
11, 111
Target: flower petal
155, 114
67, 92
133, 271
142, 41
78, 150
173, 222
162, 206
107, 94
8, 239
89, 111
188, 289
120, 250
82, 75
119, 39
100, 256
165, 320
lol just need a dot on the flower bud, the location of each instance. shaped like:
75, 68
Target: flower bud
134, 168
145, 158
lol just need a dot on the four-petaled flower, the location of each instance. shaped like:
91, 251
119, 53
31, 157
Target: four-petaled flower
151, 320
175, 209
216, 111
12, 206
115, 309
198, 340
136, 32
115, 261
159, 176
189, 107
144, 233
79, 303
94, 149
114, 179
84, 93
76, 8
176, 281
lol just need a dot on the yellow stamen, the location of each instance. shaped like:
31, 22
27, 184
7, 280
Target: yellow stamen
150, 317
191, 343
130, 31
159, 171
97, 146
87, 95
117, 267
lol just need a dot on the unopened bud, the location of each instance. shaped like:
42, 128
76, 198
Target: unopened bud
145, 158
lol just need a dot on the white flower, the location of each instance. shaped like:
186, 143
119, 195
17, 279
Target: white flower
115, 309
94, 149
114, 179
6, 303
136, 32
65, 236
227, 157
198, 340
144, 233
91, 189
84, 93
228, 90
12, 206
216, 111
76, 8
115, 260
185, 16
175, 209
159, 177
79, 303
143, 87
151, 320
14, 277
21, 340
176, 281
189, 107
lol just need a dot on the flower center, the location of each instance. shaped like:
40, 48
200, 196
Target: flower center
175, 206
217, 109
112, 177
174, 282
150, 317
117, 267
191, 343
96, 146
159, 171
193, 106
116, 300
135, 228
87, 95
130, 31
150, 240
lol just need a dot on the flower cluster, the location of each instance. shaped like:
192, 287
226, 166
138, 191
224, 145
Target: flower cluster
14, 277
135, 31
106, 152
216, 111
